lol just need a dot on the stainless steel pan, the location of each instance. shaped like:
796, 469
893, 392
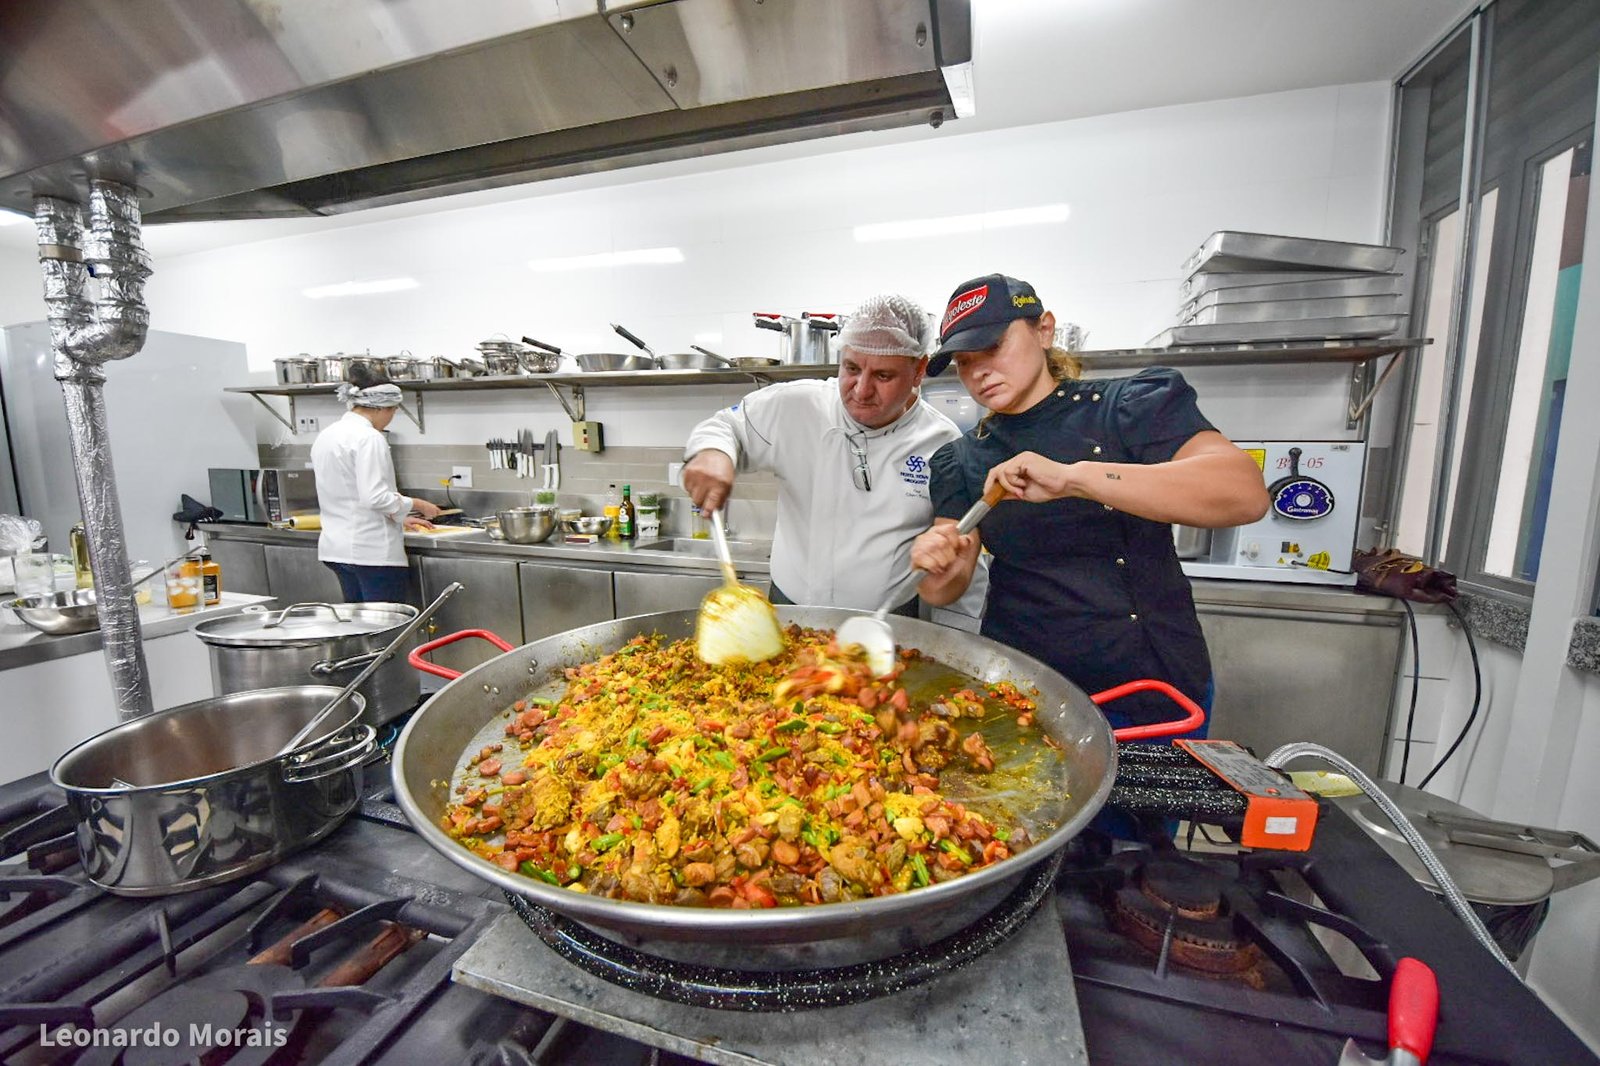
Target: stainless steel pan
598, 362
198, 795
432, 747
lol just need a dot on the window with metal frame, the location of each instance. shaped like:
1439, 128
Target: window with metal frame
1509, 105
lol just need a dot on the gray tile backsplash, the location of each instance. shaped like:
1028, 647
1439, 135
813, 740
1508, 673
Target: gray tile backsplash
421, 469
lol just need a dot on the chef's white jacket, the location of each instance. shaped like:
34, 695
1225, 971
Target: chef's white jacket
363, 516
835, 544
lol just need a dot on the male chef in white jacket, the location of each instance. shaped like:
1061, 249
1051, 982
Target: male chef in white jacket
851, 456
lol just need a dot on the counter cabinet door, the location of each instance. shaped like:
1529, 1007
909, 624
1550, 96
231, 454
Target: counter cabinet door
244, 566
648, 593
557, 597
1284, 676
489, 599
295, 575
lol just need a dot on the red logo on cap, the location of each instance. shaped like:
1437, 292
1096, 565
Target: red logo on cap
963, 305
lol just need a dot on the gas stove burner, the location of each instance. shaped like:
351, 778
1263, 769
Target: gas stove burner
786, 990
1185, 887
1177, 910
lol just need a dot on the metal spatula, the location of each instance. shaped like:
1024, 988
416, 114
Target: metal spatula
737, 623
872, 631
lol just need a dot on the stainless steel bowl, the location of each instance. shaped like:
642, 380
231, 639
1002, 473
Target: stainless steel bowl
535, 361
500, 363
595, 362
60, 613
527, 525
592, 525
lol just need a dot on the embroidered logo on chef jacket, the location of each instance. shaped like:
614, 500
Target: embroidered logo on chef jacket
914, 473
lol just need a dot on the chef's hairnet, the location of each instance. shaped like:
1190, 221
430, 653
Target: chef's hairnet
887, 325
371, 396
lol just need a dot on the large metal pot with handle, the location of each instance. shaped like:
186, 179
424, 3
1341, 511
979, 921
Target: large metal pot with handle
199, 794
314, 643
469, 712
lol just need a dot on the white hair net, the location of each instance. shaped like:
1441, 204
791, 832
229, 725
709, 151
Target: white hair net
887, 325
379, 396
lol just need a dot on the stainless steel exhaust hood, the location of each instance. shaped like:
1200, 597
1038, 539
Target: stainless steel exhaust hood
226, 109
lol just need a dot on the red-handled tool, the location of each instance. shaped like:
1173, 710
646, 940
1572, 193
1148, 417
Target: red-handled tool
1413, 1018
1195, 718
416, 657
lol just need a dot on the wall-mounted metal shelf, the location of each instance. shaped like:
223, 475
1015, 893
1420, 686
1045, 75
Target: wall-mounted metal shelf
1113, 360
1249, 354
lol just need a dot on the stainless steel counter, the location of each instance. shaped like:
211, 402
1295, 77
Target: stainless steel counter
22, 646
750, 557
1291, 662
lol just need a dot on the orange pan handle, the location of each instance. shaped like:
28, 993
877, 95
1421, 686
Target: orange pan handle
1195, 718
416, 657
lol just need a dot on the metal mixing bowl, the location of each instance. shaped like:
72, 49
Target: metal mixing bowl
527, 525
593, 525
59, 613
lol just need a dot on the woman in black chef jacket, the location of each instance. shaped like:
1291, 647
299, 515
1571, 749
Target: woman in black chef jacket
1084, 575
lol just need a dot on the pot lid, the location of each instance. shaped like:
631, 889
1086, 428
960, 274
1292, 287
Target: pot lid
303, 623
1484, 875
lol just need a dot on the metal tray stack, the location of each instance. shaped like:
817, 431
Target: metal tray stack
1247, 288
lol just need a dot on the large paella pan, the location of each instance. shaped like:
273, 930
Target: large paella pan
1052, 776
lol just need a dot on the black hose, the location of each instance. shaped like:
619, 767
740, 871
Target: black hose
1477, 696
1416, 681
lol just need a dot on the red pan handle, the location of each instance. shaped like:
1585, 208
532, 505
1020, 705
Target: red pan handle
416, 657
1195, 718
1413, 1008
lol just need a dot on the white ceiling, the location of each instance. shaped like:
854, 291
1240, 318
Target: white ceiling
1043, 61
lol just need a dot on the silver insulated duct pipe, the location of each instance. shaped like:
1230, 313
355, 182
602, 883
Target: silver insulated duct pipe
83, 336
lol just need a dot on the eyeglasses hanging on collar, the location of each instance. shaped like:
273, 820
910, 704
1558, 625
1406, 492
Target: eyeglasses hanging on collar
859, 473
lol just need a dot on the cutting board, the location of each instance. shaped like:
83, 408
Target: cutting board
444, 531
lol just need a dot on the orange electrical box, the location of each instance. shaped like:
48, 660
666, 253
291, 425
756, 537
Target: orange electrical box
1278, 815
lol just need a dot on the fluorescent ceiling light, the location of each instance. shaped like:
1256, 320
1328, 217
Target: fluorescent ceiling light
361, 288
985, 220
636, 257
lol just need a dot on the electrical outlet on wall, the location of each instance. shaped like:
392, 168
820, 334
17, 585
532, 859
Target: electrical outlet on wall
586, 436
308, 424
461, 476
675, 475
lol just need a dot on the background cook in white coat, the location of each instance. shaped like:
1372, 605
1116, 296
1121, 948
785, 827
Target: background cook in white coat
850, 455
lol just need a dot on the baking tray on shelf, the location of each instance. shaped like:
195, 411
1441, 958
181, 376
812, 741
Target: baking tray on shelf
1260, 332
1208, 312
1227, 250
1201, 282
1327, 287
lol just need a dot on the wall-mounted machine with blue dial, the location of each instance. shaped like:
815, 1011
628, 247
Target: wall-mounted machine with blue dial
1300, 497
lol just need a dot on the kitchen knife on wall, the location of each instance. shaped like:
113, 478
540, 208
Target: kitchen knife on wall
552, 458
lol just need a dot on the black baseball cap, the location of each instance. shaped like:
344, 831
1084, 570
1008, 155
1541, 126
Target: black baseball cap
978, 313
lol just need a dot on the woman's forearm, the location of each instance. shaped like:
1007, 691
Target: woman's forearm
1209, 490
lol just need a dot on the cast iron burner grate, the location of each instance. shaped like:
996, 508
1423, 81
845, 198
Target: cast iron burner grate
725, 988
